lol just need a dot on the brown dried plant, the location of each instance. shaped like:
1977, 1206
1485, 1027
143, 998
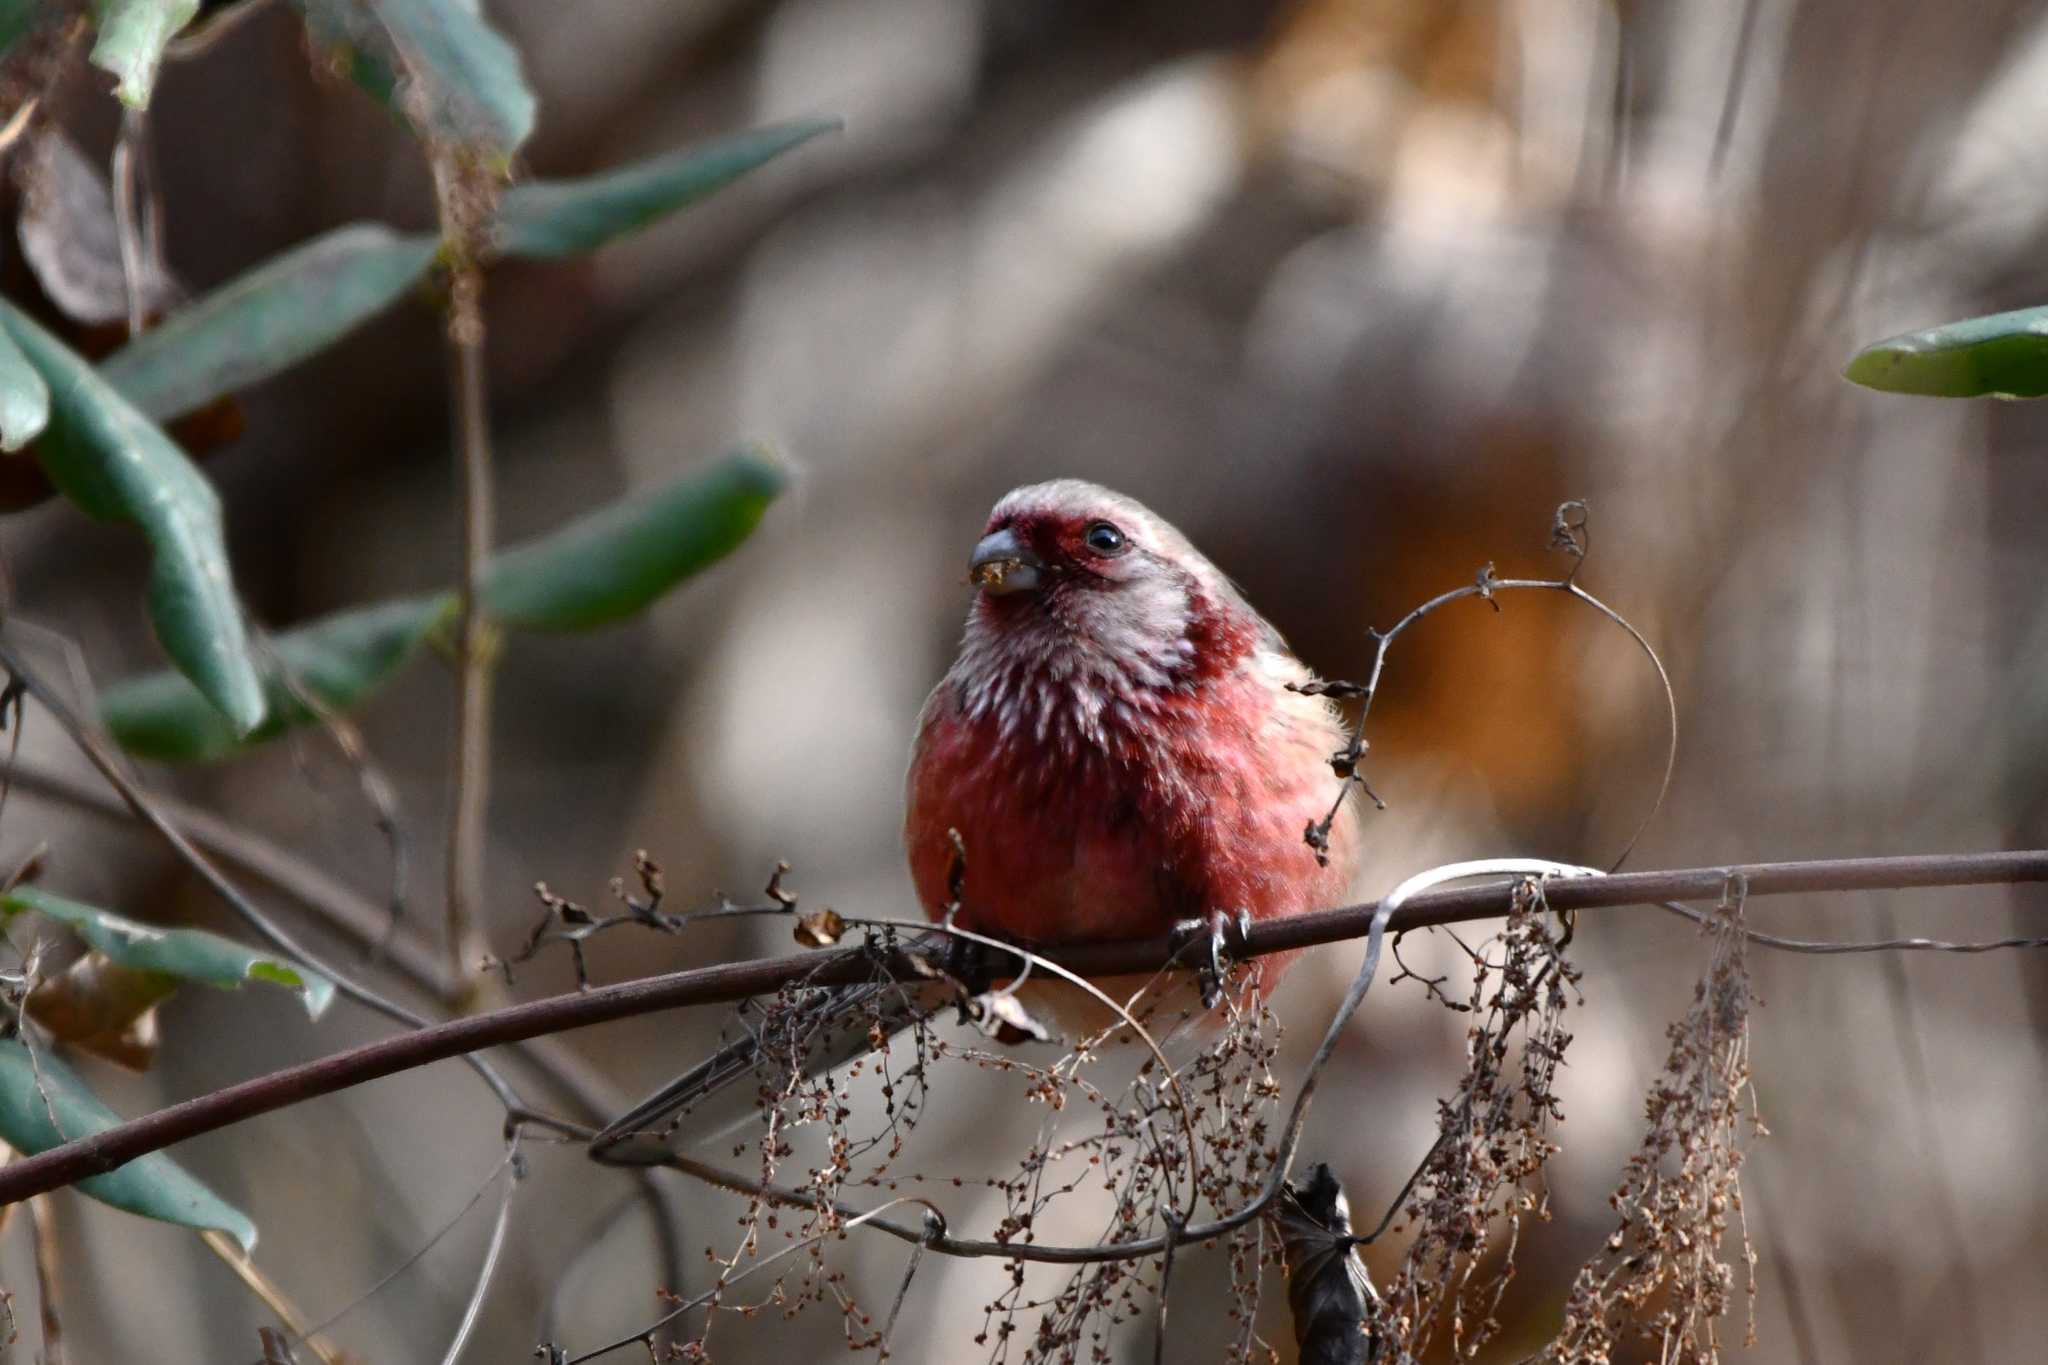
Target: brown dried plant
1484, 1176
1660, 1277
1125, 1146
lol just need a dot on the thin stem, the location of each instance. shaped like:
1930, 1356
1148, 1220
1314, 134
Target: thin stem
43, 1227
472, 759
107, 1150
489, 1268
137, 217
391, 1276
231, 1255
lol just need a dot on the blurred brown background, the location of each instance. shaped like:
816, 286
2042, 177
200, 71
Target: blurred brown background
1355, 291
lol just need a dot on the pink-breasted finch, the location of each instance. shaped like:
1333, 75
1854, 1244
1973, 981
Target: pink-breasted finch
1118, 749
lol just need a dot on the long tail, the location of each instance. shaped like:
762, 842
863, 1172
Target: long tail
823, 1030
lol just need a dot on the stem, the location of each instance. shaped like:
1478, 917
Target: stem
472, 758
267, 1291
45, 1230
114, 1147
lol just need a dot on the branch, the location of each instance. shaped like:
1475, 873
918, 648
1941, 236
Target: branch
105, 1151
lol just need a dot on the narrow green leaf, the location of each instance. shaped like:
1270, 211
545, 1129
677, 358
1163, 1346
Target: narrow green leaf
617, 560
593, 571
269, 319
469, 83
34, 1089
2004, 355
132, 38
116, 465
182, 954
340, 659
548, 218
24, 398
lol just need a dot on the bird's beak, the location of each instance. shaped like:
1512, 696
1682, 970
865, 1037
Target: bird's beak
1002, 564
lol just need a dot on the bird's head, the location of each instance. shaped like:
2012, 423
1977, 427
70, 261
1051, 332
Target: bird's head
1071, 567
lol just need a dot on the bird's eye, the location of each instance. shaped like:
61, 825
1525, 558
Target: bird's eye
1104, 539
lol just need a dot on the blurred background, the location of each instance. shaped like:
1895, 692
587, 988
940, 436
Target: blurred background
1355, 292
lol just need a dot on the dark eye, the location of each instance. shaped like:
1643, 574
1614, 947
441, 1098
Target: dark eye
1104, 539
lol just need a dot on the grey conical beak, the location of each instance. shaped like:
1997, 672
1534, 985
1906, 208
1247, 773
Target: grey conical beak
1004, 564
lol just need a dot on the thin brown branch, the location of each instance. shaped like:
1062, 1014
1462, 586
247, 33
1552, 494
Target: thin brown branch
725, 983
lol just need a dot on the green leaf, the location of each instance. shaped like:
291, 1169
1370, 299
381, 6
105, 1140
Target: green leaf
468, 76
182, 954
341, 660
461, 79
33, 1089
549, 218
116, 465
349, 31
133, 35
2004, 355
605, 566
269, 319
617, 560
24, 398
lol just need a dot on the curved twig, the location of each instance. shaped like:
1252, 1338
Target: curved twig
489, 1268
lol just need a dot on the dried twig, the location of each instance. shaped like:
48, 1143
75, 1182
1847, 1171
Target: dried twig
1660, 1275
1570, 534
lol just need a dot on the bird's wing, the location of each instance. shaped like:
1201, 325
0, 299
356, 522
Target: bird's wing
738, 1084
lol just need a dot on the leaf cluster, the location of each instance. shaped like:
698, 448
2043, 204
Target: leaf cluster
108, 425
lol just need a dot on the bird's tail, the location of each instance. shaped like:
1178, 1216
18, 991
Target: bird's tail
827, 1027
742, 1081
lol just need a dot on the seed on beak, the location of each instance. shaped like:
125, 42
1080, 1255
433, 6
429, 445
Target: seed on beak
1004, 564
991, 573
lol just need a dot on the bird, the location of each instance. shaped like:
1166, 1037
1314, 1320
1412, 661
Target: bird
1122, 747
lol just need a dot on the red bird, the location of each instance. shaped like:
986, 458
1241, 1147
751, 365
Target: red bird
1118, 748
1116, 742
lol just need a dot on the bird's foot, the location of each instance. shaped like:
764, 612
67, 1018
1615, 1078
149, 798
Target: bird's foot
1214, 930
